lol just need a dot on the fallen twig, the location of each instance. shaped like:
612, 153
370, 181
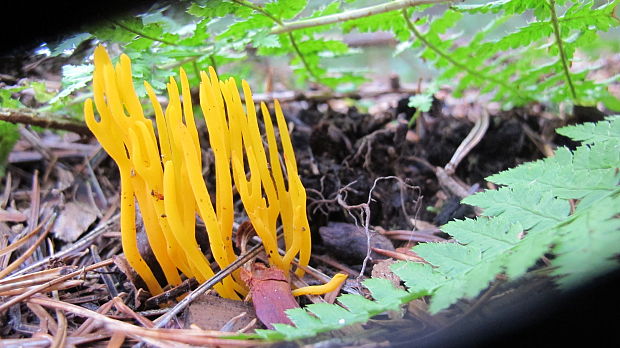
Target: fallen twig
473, 138
202, 288
34, 118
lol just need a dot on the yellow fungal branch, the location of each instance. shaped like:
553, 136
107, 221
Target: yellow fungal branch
130, 140
163, 174
330, 286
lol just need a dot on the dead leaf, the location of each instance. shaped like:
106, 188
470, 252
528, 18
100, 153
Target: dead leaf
382, 270
211, 312
73, 220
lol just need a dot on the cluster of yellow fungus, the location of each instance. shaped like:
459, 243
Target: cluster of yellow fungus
163, 174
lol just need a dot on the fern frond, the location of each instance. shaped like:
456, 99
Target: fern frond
525, 219
589, 133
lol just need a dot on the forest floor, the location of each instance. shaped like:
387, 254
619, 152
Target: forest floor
60, 200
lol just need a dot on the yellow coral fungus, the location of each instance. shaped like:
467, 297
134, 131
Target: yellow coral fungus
332, 285
163, 174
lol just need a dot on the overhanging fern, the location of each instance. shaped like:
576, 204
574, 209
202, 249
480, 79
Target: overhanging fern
568, 204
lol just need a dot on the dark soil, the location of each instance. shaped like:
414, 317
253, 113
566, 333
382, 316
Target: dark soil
358, 148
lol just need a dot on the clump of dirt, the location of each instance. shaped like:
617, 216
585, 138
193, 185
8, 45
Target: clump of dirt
353, 149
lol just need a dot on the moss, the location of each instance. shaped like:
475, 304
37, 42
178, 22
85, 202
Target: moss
8, 137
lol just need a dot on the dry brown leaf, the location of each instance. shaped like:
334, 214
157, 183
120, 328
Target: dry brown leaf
211, 312
72, 221
382, 270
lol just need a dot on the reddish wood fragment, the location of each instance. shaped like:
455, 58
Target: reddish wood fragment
271, 294
401, 254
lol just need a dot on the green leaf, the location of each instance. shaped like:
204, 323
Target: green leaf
360, 306
586, 243
40, 91
333, 316
217, 8
74, 77
589, 243
385, 293
534, 209
421, 279
589, 133
507, 6
446, 21
390, 21
304, 320
285, 9
6, 97
423, 102
69, 44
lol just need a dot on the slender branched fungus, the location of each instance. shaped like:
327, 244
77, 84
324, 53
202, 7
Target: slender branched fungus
163, 174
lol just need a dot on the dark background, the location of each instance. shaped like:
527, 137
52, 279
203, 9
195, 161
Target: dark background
27, 23
589, 315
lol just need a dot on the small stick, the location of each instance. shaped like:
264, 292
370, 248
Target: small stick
177, 291
334, 263
202, 288
398, 255
473, 138
33, 118
116, 341
7, 191
122, 307
60, 338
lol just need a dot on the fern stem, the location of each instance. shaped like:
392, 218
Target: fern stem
213, 62
146, 36
197, 69
301, 57
560, 43
290, 35
353, 14
454, 62
258, 9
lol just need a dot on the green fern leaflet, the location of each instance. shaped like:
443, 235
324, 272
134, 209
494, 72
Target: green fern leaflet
529, 215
